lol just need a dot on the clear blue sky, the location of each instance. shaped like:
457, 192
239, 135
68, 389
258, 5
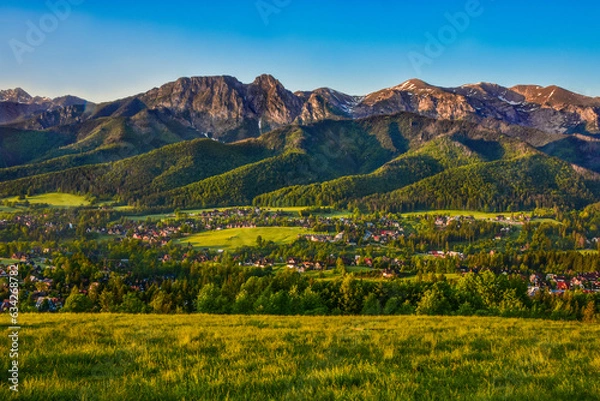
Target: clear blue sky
106, 49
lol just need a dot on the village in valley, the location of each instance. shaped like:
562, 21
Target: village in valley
143, 251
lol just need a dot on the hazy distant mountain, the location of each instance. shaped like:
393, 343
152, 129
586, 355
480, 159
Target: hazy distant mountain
16, 105
18, 95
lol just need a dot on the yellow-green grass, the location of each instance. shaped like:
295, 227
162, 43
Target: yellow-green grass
546, 220
171, 215
476, 215
296, 210
55, 199
107, 237
332, 274
289, 209
447, 276
114, 205
123, 208
237, 237
8, 261
453, 213
153, 217
200, 357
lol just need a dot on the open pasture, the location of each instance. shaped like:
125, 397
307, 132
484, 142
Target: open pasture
203, 357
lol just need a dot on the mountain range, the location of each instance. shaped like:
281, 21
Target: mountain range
226, 109
212, 141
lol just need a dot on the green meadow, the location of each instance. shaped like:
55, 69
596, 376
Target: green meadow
297, 209
237, 237
201, 357
192, 212
476, 215
55, 199
167, 216
332, 274
453, 213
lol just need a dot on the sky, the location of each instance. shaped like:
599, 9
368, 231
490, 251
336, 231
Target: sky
103, 50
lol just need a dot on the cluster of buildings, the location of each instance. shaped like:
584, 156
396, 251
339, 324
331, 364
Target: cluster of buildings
558, 284
35, 278
444, 255
45, 223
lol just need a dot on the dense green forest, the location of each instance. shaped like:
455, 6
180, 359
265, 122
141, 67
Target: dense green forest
20, 147
397, 163
516, 184
433, 158
129, 179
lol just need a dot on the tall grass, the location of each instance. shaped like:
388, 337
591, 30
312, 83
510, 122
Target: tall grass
200, 357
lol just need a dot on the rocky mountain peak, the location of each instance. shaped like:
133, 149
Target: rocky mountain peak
19, 95
272, 103
489, 92
16, 95
414, 85
555, 96
224, 108
267, 81
326, 103
66, 101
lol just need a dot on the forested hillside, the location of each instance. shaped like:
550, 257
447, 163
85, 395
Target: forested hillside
397, 162
515, 184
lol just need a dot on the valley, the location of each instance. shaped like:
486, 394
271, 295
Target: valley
392, 210
288, 200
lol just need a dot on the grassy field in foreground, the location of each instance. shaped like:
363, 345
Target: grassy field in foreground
236, 237
55, 199
199, 357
